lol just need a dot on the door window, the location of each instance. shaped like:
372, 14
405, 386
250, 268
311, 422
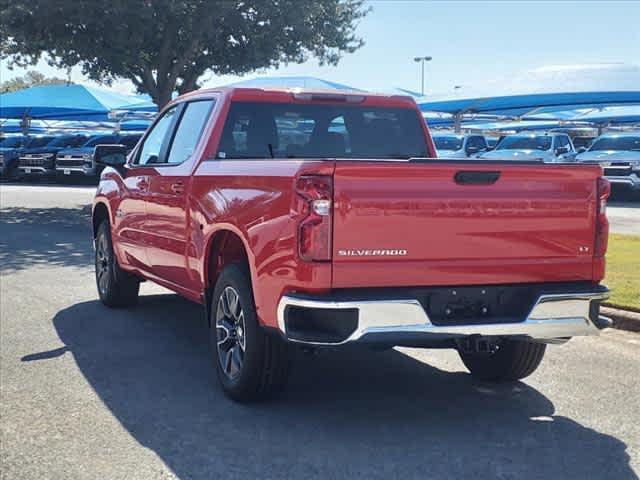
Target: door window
189, 131
151, 150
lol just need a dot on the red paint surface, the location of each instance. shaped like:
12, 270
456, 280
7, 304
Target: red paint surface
532, 225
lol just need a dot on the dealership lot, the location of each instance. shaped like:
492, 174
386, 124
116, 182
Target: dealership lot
88, 392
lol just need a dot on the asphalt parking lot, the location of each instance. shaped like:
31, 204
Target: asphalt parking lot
92, 393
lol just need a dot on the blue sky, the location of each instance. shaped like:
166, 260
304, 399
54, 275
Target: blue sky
471, 43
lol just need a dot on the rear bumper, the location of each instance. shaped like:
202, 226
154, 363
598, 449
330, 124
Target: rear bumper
553, 316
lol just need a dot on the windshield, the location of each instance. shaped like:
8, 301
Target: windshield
40, 142
264, 130
130, 141
629, 144
449, 142
12, 142
70, 141
101, 140
541, 142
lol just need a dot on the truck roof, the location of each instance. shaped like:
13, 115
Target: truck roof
299, 95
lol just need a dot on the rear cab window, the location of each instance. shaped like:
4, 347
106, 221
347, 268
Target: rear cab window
342, 131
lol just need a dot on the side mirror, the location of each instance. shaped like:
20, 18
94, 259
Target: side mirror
582, 149
562, 150
114, 156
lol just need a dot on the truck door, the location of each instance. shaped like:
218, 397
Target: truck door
131, 221
168, 219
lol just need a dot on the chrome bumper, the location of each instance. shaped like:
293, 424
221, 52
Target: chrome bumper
76, 169
632, 181
554, 316
37, 169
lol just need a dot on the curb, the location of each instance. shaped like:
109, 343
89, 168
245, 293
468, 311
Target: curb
622, 319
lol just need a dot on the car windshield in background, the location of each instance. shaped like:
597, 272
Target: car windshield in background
130, 142
40, 142
541, 142
265, 130
449, 142
102, 140
627, 144
63, 142
12, 142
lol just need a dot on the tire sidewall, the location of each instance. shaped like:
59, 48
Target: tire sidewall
103, 232
234, 276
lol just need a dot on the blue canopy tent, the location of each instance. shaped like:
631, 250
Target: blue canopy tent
526, 105
617, 115
14, 126
63, 102
546, 90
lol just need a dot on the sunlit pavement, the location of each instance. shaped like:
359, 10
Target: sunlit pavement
92, 393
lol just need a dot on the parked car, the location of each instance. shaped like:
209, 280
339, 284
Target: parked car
450, 145
354, 236
80, 160
619, 155
552, 147
40, 157
10, 149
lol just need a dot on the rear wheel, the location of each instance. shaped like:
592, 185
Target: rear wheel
251, 363
116, 287
510, 361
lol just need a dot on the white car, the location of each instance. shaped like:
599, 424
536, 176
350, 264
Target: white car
548, 147
450, 145
619, 155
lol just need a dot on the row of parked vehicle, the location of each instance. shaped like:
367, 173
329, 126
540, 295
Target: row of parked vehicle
56, 155
617, 153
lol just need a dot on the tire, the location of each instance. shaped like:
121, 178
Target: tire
514, 360
251, 363
116, 287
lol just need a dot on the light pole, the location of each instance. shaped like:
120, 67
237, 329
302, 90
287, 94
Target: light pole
422, 59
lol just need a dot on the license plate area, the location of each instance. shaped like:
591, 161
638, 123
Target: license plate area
479, 305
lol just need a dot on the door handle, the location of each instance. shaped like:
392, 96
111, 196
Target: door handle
177, 187
476, 178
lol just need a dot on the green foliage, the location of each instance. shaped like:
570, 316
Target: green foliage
167, 45
623, 271
30, 79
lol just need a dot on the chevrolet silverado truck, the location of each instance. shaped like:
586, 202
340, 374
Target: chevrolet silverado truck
79, 161
619, 155
324, 219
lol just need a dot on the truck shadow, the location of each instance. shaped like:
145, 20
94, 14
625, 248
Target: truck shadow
347, 414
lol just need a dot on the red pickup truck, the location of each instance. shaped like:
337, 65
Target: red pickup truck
324, 219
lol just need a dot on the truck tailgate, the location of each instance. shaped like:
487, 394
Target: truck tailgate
420, 224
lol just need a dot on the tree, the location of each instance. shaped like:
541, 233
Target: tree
167, 45
30, 79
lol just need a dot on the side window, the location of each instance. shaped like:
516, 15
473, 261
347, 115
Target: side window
189, 130
151, 149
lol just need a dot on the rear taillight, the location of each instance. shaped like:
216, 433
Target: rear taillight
314, 233
602, 224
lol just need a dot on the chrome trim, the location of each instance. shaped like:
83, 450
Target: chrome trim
554, 316
632, 180
71, 169
40, 169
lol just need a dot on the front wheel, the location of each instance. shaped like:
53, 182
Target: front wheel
251, 363
116, 287
512, 360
